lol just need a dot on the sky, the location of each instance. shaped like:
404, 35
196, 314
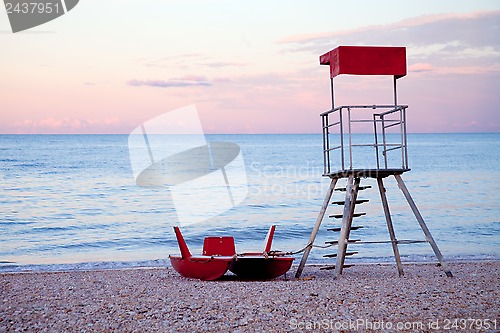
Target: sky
248, 66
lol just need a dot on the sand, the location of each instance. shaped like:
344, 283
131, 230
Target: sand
366, 298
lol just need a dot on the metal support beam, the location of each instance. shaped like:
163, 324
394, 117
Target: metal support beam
390, 226
395, 91
349, 205
333, 93
316, 227
420, 220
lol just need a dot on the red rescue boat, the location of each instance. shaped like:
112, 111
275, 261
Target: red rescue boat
204, 267
219, 255
260, 266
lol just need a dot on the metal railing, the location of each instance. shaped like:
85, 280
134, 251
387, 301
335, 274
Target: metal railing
383, 130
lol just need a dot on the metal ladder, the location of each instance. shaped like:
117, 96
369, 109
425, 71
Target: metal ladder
350, 202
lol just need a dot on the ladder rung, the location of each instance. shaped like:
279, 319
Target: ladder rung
339, 228
360, 201
333, 267
333, 255
339, 216
349, 241
360, 188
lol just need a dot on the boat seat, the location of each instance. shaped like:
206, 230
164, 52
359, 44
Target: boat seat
219, 246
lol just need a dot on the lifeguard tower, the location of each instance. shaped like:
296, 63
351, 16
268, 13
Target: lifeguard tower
380, 154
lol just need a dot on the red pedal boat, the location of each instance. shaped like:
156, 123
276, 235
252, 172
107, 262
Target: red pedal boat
219, 256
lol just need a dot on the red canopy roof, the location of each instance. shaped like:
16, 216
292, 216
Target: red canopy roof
366, 60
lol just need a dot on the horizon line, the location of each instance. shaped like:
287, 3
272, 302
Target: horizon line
307, 133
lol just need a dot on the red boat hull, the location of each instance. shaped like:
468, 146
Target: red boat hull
260, 268
207, 269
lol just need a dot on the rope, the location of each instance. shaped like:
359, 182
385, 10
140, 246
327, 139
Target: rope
277, 253
274, 253
303, 249
403, 241
202, 262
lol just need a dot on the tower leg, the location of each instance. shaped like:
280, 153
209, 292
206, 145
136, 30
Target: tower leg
316, 227
390, 226
349, 205
420, 220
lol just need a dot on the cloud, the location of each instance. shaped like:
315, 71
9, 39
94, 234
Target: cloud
179, 60
422, 30
450, 36
439, 44
427, 68
190, 61
220, 64
185, 81
421, 67
67, 125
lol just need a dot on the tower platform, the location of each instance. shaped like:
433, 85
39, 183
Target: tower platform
366, 173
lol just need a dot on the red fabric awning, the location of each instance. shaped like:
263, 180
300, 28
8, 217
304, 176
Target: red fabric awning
366, 60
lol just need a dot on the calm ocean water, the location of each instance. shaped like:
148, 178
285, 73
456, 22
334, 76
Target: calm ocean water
71, 202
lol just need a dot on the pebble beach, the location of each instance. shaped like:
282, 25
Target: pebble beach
366, 298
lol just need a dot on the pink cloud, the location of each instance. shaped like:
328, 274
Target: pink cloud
395, 29
464, 70
445, 43
53, 125
185, 81
221, 64
420, 67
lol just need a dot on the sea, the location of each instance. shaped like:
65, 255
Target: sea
72, 202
